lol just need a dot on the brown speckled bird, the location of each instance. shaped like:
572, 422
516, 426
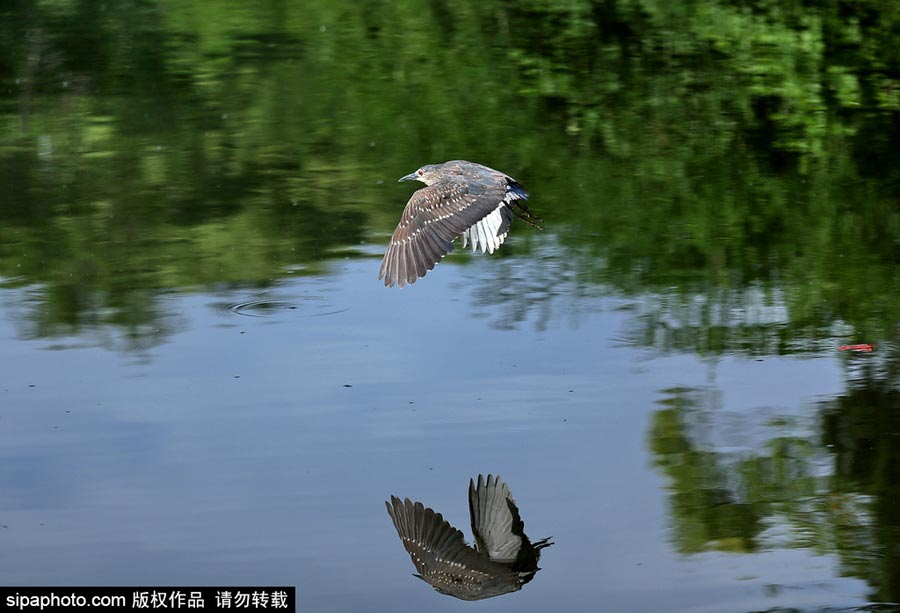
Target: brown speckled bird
461, 199
503, 559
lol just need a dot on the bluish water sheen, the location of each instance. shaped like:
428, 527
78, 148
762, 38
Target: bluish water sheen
259, 450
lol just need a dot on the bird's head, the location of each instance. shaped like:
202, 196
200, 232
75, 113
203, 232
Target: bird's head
427, 174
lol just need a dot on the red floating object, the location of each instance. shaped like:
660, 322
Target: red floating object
865, 347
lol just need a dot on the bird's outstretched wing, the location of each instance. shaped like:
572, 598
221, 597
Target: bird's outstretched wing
434, 217
495, 519
441, 555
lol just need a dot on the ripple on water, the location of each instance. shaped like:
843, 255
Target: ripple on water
308, 306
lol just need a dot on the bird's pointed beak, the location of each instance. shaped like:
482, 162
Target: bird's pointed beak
410, 177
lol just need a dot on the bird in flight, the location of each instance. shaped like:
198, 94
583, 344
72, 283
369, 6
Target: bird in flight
460, 199
502, 560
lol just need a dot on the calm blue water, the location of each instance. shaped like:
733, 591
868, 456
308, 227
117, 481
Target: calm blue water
260, 449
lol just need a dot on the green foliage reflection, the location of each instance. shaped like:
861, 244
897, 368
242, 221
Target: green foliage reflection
726, 154
831, 488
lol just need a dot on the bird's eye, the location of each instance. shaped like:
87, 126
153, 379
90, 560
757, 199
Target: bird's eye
420, 172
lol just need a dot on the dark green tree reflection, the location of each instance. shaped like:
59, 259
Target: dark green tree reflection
705, 512
861, 427
830, 486
699, 150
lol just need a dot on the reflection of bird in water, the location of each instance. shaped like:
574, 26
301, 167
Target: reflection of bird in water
503, 559
461, 199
